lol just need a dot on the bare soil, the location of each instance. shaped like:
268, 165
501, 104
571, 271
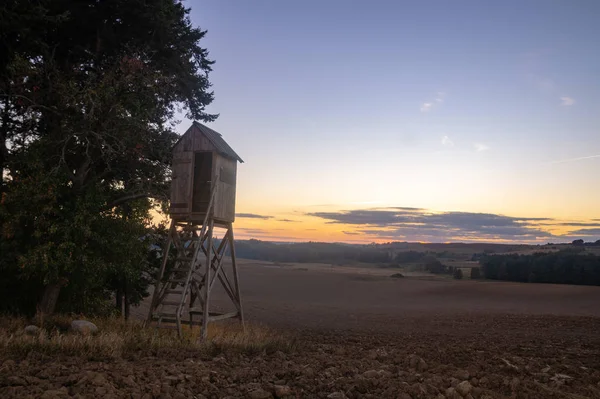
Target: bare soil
361, 334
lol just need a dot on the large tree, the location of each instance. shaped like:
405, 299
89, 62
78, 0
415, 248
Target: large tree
89, 94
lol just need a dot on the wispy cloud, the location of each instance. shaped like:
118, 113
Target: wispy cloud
586, 233
288, 220
479, 147
581, 224
447, 142
425, 107
438, 100
567, 101
574, 159
252, 216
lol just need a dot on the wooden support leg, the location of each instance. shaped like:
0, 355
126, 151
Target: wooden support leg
166, 250
204, 332
236, 279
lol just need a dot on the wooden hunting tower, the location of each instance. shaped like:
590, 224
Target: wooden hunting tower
202, 198
201, 158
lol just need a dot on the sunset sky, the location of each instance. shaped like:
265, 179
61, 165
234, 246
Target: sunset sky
410, 121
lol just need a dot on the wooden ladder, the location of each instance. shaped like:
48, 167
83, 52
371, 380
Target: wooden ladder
192, 279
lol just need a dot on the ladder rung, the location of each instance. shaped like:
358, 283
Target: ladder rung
162, 315
170, 303
176, 280
172, 319
184, 259
167, 292
180, 270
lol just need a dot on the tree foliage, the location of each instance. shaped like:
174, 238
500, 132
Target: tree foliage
89, 92
561, 267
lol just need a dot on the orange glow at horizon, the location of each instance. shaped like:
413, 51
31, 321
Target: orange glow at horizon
296, 226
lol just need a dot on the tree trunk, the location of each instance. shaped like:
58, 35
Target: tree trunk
127, 308
119, 297
126, 300
48, 303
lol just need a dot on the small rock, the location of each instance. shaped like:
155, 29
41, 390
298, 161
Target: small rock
337, 395
129, 381
282, 391
514, 384
464, 388
385, 373
32, 330
16, 381
83, 327
417, 390
9, 364
546, 369
462, 375
260, 394
417, 363
371, 374
483, 381
452, 394
56, 393
436, 381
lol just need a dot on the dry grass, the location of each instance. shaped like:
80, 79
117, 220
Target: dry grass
117, 338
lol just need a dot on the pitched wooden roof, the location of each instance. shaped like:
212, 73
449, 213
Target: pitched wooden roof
217, 140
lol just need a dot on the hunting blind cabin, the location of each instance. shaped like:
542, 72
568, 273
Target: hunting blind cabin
202, 198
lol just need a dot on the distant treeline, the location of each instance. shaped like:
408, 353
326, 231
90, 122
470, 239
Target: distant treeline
561, 267
310, 252
334, 253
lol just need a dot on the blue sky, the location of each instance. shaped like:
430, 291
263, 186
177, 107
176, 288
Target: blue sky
466, 106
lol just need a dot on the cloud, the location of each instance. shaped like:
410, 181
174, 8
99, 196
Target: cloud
446, 142
252, 231
438, 100
419, 224
425, 107
479, 147
252, 216
288, 220
580, 224
567, 101
352, 233
586, 232
575, 159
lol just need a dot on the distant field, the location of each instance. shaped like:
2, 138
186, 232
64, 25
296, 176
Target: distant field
302, 295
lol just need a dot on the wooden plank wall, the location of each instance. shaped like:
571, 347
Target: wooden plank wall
200, 142
181, 183
183, 179
225, 195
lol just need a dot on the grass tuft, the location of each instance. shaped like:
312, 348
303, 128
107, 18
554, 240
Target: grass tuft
117, 338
